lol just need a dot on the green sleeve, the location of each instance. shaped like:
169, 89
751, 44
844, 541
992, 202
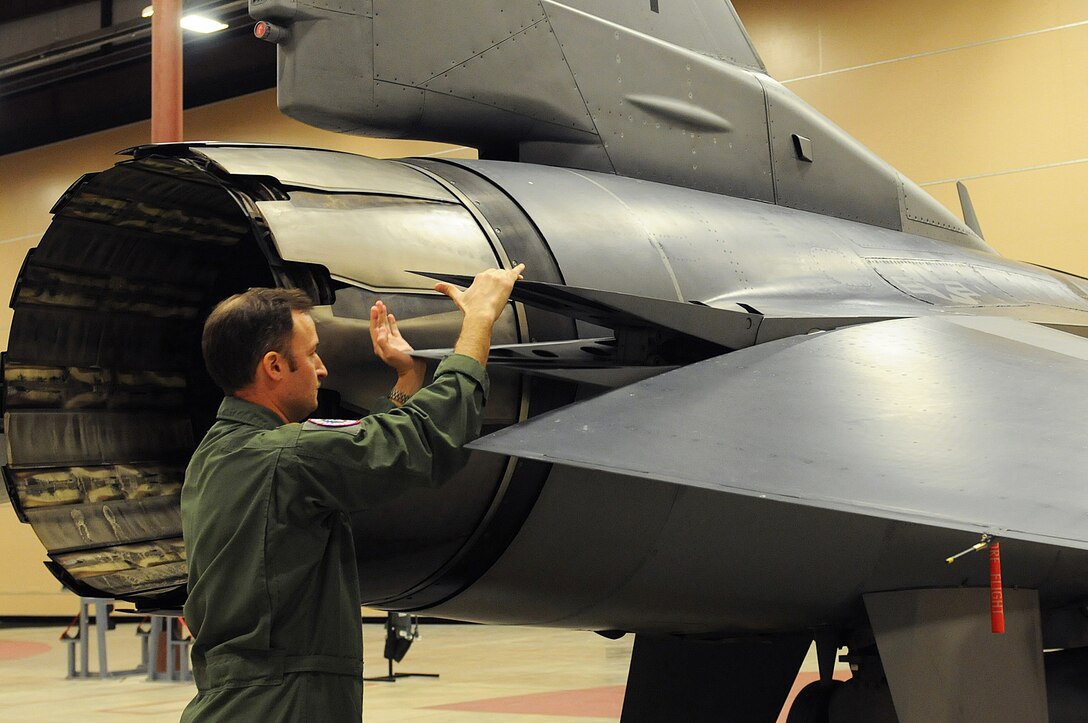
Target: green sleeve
418, 444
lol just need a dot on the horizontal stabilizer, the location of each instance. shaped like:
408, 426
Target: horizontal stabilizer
728, 325
929, 420
576, 353
582, 361
609, 377
732, 328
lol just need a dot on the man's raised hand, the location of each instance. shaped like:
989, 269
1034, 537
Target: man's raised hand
482, 304
394, 349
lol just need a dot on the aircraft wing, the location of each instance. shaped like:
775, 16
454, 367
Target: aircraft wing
950, 421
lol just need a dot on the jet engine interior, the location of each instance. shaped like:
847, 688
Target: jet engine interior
105, 394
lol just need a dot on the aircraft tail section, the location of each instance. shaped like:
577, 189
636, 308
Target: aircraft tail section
670, 91
635, 87
707, 27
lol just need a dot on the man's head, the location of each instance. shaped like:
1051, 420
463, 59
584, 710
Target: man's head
261, 345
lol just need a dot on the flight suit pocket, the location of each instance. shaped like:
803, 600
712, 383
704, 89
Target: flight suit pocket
243, 669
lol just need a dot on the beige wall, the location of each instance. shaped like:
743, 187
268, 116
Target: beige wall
992, 91
989, 91
32, 181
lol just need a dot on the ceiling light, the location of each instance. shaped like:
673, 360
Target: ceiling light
201, 24
196, 23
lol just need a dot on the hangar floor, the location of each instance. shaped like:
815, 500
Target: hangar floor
508, 675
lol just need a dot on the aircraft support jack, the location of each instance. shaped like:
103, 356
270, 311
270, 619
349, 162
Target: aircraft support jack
673, 678
942, 661
401, 630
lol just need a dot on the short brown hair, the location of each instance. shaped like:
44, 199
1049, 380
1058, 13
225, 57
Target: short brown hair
243, 328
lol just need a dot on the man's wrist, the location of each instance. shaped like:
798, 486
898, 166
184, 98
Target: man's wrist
482, 319
411, 379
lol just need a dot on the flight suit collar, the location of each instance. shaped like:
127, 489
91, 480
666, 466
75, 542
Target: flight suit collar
234, 409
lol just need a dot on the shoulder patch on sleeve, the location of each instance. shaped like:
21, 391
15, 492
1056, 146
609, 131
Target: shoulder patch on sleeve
340, 425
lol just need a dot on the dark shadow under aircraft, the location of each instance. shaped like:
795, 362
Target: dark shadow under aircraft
756, 387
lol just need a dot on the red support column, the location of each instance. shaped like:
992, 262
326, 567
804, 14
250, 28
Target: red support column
166, 65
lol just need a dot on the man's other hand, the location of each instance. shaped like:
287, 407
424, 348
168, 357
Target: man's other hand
394, 350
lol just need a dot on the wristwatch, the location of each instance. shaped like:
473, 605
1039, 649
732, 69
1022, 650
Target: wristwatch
398, 397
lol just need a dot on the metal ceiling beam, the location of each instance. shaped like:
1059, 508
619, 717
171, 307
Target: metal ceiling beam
105, 80
19, 9
13, 69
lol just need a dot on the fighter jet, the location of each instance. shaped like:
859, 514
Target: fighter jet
756, 390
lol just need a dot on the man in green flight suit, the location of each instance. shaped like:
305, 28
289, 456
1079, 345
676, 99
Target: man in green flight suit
273, 582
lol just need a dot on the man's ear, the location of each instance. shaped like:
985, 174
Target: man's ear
272, 365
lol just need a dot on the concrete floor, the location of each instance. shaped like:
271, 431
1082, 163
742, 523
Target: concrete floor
501, 674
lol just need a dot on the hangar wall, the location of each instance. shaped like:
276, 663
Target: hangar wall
991, 91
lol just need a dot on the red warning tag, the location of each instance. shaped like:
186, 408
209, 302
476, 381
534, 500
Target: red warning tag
997, 596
